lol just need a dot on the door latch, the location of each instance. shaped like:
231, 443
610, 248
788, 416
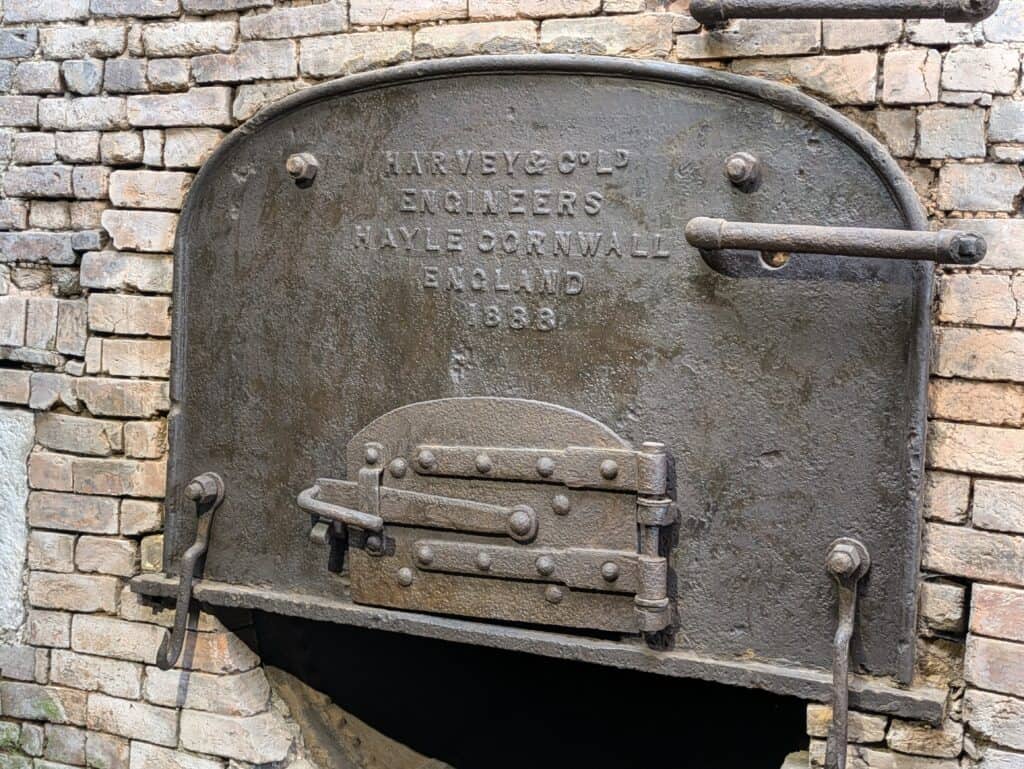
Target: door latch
848, 561
206, 492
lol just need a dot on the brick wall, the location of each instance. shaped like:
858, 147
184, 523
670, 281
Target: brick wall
108, 107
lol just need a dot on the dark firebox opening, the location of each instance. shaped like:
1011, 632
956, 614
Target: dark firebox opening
480, 708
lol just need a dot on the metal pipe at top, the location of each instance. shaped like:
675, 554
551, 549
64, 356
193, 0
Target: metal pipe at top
713, 13
943, 247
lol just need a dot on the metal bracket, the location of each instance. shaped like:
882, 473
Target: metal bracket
715, 13
207, 492
777, 241
848, 561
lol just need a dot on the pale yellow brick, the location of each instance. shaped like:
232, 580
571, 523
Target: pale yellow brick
80, 435
386, 12
149, 189
998, 612
120, 477
117, 678
980, 555
979, 353
130, 314
106, 555
976, 449
979, 299
135, 720
991, 403
72, 512
998, 506
135, 357
946, 496
995, 665
51, 472
863, 727
145, 440
72, 592
151, 551
51, 551
140, 516
644, 34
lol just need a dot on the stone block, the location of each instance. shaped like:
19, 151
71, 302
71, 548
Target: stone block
135, 720
749, 37
130, 315
146, 756
52, 181
951, 133
979, 187
140, 9
988, 70
153, 147
13, 216
980, 555
116, 638
998, 506
531, 9
71, 327
258, 739
52, 247
49, 389
48, 628
997, 612
852, 34
1006, 121
168, 75
41, 324
996, 717
643, 35
85, 216
251, 98
125, 76
188, 38
50, 215
65, 744
117, 678
18, 43
21, 11
995, 665
151, 231
90, 182
72, 512
51, 551
976, 449
82, 42
14, 386
19, 111
993, 403
121, 398
105, 751
83, 76
486, 37
12, 320
136, 357
220, 6
78, 146
49, 471
151, 553
32, 148
980, 299
53, 704
119, 477
73, 592
300, 21
145, 440
140, 516
374, 12
107, 555
18, 662
197, 107
923, 740
979, 353
42, 77
80, 435
149, 189
121, 148
255, 60
911, 76
843, 79
344, 54
87, 113
863, 727
242, 694
942, 607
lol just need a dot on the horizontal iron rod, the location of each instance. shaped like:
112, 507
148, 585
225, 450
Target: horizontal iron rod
713, 13
944, 246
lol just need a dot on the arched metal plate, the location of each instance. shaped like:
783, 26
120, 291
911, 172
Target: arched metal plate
513, 227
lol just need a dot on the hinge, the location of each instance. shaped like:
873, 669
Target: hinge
654, 511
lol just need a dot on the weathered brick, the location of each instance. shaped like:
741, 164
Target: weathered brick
140, 516
911, 76
321, 19
34, 148
73, 592
49, 471
121, 398
12, 320
18, 43
153, 147
119, 477
135, 357
981, 555
72, 512
197, 107
863, 727
258, 739
1006, 121
71, 327
90, 182
50, 551
979, 187
218, 6
991, 354
105, 751
145, 440
947, 132
82, 42
532, 9
256, 60
345, 54
146, 756
121, 147
242, 694
980, 299
923, 740
41, 323
168, 75
14, 386
149, 189
53, 181
849, 34
998, 506
135, 720
188, 38
95, 113
19, 111
252, 97
48, 628
49, 215
136, 8
993, 403
21, 663
750, 37
116, 638
82, 435
130, 315
125, 76
997, 612
645, 34
1005, 238
151, 231
995, 665
465, 39
151, 553
106, 555
942, 607
38, 77
996, 717
78, 146
976, 449
53, 704
845, 79
374, 12
13, 215
20, 11
83, 76
117, 678
988, 70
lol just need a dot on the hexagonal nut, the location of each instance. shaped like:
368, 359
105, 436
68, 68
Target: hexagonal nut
302, 167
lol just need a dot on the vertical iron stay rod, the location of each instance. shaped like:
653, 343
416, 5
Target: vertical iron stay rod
712, 13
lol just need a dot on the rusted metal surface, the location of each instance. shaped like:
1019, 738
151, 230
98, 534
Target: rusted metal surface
717, 12
512, 227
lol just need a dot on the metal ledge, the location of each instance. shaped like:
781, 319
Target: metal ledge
921, 704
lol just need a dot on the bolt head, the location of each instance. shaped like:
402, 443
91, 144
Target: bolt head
610, 571
560, 504
405, 576
545, 565
374, 543
484, 464
302, 167
609, 469
372, 455
844, 560
520, 523
425, 555
426, 459
398, 467
743, 170
554, 594
545, 467
483, 561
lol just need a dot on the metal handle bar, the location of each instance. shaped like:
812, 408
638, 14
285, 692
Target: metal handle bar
712, 13
944, 246
307, 500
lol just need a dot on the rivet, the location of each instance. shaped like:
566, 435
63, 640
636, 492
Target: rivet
425, 555
372, 455
744, 171
483, 463
374, 543
554, 594
398, 467
405, 576
520, 523
483, 561
609, 469
545, 467
560, 504
610, 571
545, 565
426, 459
302, 167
